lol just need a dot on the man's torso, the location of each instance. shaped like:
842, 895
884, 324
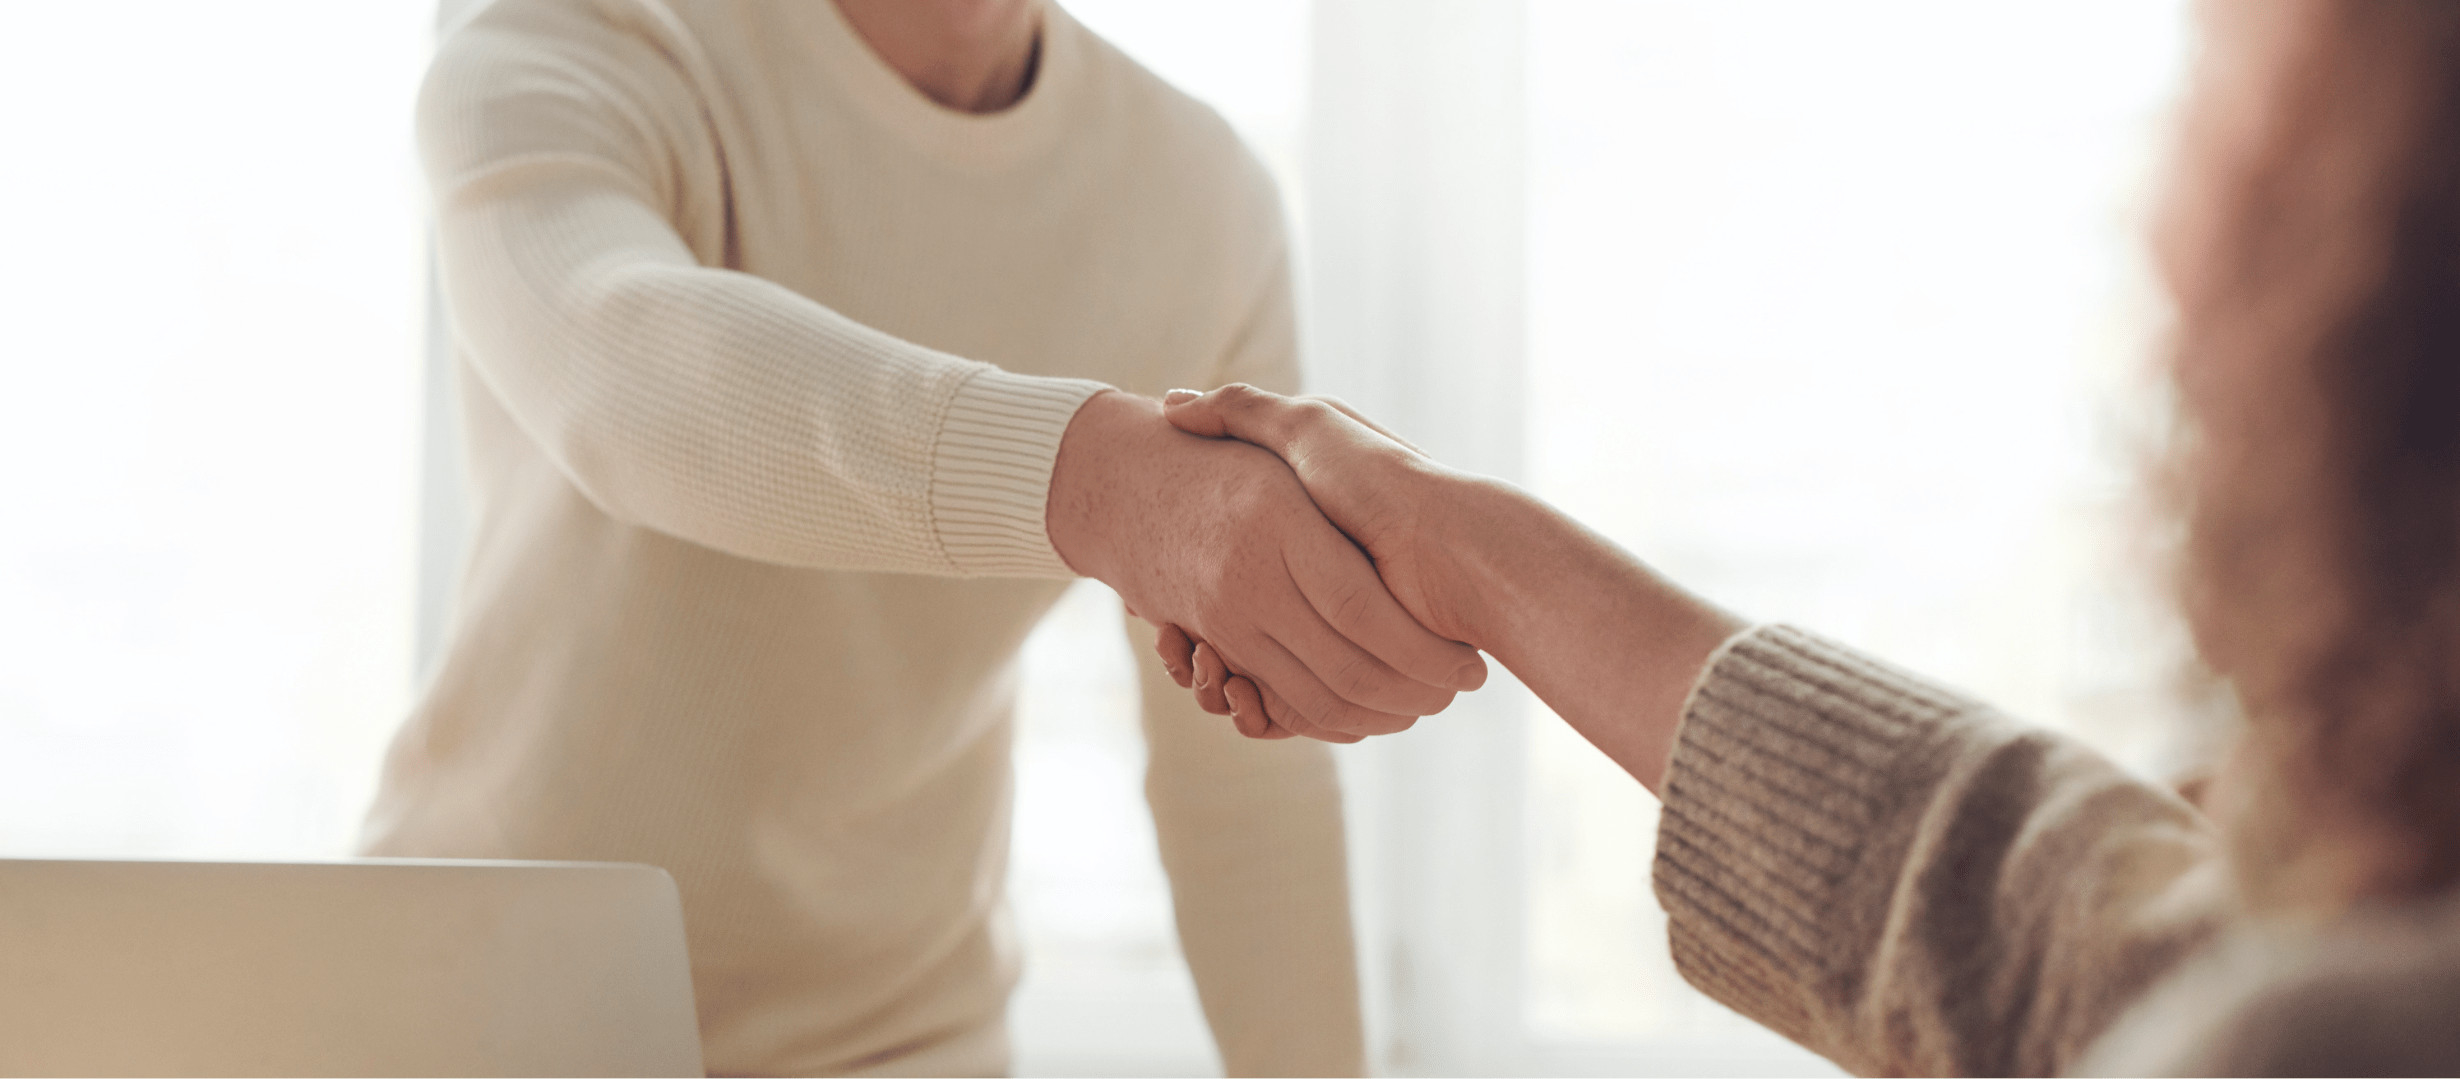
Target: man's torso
820, 757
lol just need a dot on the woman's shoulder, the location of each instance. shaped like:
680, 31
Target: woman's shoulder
2377, 993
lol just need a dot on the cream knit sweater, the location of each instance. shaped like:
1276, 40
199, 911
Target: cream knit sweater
764, 360
1903, 880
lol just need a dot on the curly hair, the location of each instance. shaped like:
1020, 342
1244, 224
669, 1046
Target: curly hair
2317, 372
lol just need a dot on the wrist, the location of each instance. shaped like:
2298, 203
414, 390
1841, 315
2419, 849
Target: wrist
1468, 556
1088, 478
1610, 644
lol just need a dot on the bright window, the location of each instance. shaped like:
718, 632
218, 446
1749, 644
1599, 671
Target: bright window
208, 448
1840, 313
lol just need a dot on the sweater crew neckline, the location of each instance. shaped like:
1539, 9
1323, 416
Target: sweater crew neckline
958, 139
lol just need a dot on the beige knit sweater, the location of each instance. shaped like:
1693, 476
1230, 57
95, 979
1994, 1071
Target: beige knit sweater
764, 360
1910, 884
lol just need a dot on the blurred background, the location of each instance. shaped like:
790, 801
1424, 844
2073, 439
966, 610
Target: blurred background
1839, 313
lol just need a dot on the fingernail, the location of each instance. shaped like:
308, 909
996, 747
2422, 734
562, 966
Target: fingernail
1180, 397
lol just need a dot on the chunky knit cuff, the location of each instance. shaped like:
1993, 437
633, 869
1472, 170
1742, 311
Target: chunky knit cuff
1795, 758
991, 472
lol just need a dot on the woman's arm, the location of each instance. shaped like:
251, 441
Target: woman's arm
1888, 872
1608, 643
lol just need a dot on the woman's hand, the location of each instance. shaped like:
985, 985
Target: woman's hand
1605, 641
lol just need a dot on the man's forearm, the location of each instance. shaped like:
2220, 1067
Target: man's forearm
1608, 643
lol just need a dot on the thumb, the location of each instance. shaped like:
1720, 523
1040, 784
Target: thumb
1195, 413
1237, 411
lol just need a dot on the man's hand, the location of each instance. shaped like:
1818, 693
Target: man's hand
1219, 538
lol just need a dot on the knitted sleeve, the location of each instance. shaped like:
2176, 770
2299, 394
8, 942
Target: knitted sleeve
1908, 883
568, 154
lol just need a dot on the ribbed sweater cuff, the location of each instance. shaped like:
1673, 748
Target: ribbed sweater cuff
1794, 755
991, 472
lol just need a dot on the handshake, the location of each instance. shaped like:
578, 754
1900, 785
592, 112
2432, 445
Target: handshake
1309, 572
1314, 575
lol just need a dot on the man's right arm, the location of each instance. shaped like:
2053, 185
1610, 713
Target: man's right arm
729, 411
708, 404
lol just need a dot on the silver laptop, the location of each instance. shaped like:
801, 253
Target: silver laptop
344, 968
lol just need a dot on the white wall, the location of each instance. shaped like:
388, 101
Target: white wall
208, 442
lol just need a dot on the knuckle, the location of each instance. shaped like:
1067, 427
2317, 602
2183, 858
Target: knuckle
1295, 724
1355, 606
1317, 706
1217, 582
1356, 677
1302, 415
1381, 723
1354, 719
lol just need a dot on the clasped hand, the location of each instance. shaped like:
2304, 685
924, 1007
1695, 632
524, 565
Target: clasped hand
1368, 482
1244, 547
1217, 539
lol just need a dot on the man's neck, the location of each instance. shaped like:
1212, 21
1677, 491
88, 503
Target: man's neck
969, 55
